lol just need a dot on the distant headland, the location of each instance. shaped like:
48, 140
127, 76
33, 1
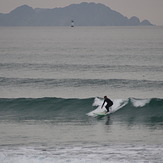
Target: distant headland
83, 14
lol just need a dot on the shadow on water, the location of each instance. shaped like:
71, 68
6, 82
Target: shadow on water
108, 120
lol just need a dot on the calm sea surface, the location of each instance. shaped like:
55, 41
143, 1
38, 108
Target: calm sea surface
82, 62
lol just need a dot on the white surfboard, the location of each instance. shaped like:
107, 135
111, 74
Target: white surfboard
102, 114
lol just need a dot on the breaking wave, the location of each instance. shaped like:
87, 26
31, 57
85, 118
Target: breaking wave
51, 108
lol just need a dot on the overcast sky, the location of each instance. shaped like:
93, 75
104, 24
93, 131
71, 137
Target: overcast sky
144, 9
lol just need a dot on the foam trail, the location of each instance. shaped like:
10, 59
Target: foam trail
117, 104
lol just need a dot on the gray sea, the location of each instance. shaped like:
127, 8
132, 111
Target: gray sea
52, 82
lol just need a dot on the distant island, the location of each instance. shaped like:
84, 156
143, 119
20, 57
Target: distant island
83, 14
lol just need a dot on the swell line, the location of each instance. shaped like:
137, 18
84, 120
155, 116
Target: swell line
76, 82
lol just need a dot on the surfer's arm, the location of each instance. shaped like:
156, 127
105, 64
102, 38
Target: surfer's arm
103, 104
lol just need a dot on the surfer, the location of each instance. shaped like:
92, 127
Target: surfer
109, 103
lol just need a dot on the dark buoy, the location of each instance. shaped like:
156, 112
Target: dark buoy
72, 23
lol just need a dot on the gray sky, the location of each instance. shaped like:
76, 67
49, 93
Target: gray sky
144, 9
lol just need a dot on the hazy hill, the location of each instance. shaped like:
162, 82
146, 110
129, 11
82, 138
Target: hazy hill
84, 14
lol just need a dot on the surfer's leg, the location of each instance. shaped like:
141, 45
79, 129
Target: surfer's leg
107, 108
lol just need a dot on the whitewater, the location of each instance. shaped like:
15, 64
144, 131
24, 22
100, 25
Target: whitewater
52, 81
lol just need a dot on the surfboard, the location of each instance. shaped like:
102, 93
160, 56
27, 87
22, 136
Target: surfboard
102, 114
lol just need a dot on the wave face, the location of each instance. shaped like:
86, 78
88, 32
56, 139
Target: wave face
43, 108
131, 109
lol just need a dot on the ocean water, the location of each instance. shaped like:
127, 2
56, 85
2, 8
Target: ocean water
52, 81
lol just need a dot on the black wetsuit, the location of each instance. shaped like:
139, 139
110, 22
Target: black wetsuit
109, 103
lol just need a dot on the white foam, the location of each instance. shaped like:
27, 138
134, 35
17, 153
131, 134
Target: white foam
84, 153
139, 102
117, 104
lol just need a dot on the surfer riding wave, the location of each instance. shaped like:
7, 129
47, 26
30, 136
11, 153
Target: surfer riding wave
109, 103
